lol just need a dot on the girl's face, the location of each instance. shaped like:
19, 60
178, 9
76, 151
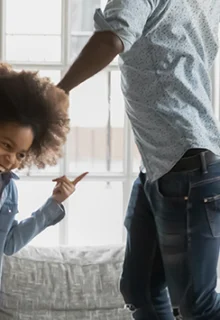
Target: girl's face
15, 141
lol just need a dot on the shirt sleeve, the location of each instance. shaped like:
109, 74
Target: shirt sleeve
23, 232
126, 18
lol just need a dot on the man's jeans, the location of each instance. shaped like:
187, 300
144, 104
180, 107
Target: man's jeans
173, 238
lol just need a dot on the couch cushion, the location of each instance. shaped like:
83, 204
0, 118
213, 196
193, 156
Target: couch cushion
57, 283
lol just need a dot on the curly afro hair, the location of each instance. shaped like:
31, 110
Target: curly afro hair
31, 101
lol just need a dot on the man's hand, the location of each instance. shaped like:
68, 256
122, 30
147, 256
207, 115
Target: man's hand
64, 187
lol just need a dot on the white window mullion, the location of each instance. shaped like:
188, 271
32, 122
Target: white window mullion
81, 34
65, 45
65, 33
128, 169
108, 138
37, 66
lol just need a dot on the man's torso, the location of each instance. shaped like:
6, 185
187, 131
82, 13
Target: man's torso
166, 84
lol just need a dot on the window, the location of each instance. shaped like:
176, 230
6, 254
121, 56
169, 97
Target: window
30, 33
35, 37
96, 139
32, 36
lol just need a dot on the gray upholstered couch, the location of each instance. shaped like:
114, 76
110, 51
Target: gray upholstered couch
62, 284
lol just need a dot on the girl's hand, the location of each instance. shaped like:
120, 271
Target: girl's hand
64, 187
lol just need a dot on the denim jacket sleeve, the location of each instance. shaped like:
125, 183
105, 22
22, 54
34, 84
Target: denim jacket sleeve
23, 232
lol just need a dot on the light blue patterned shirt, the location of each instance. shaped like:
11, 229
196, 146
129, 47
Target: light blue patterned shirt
169, 48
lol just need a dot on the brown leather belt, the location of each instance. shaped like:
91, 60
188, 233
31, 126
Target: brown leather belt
200, 160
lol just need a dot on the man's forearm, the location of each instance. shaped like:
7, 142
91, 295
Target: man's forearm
100, 50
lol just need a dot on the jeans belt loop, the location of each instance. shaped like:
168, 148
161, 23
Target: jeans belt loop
203, 163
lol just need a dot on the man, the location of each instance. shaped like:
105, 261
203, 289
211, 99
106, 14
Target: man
166, 49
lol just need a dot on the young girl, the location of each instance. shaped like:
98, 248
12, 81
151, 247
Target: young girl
33, 127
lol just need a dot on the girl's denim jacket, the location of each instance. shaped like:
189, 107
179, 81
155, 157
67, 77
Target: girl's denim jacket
15, 235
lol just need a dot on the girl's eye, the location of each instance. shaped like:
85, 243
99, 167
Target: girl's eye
6, 145
21, 156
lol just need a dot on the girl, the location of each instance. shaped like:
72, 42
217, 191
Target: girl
33, 127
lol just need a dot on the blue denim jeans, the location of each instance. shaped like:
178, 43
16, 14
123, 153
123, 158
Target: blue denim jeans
173, 238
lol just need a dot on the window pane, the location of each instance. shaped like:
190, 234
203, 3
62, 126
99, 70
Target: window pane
32, 195
87, 143
117, 123
33, 48
77, 44
20, 173
54, 75
54, 171
33, 17
136, 157
95, 216
82, 21
96, 140
82, 12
